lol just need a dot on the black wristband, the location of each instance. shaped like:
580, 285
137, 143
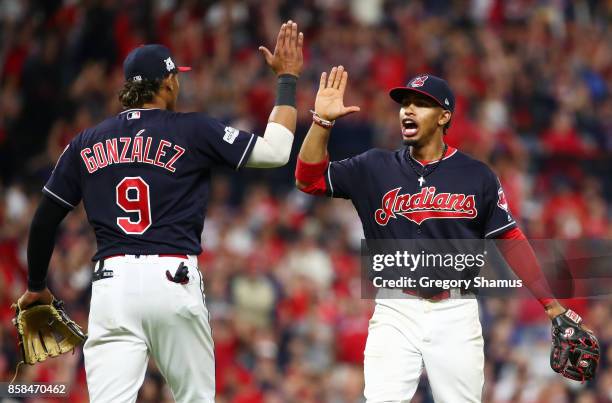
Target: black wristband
285, 90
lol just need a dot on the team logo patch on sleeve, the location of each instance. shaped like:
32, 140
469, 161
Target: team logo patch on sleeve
501, 200
230, 134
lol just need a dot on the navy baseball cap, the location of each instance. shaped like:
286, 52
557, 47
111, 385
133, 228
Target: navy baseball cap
431, 86
150, 62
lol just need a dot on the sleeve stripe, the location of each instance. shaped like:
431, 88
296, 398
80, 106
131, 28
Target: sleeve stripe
246, 149
499, 229
331, 186
46, 190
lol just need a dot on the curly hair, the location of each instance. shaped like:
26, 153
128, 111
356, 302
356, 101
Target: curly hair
135, 94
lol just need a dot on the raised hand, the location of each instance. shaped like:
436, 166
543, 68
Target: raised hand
288, 57
329, 103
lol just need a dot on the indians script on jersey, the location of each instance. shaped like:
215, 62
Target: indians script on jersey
426, 204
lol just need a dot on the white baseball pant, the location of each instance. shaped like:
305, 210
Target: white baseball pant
138, 312
409, 334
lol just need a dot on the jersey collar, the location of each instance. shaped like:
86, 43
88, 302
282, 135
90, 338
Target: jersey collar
450, 151
138, 109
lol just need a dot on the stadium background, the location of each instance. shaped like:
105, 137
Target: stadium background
532, 80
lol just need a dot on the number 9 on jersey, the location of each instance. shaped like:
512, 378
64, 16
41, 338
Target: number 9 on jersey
132, 195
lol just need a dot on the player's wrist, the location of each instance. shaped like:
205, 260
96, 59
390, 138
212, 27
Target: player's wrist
37, 286
286, 89
287, 74
322, 120
554, 309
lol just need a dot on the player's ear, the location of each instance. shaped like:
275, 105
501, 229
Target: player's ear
176, 82
170, 83
445, 117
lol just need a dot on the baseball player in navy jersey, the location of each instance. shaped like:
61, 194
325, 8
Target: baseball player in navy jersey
424, 190
143, 177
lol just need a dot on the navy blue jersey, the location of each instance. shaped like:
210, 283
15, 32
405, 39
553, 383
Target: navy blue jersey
144, 175
461, 198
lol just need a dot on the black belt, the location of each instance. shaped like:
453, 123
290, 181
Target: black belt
181, 275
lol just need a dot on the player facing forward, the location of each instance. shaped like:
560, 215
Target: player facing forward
427, 190
143, 177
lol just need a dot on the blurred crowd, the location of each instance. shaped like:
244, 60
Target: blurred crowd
533, 82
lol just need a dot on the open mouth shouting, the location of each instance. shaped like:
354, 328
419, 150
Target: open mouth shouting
409, 127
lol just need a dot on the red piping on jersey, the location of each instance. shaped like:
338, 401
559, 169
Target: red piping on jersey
515, 248
450, 151
522, 260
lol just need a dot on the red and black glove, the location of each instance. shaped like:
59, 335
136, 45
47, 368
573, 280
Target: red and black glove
575, 350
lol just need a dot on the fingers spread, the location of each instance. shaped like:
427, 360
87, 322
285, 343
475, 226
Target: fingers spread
343, 81
332, 77
267, 55
349, 109
280, 39
322, 82
286, 45
338, 77
294, 36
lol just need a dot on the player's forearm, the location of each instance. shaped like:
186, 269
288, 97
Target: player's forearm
274, 148
284, 115
284, 111
314, 147
521, 258
313, 162
41, 241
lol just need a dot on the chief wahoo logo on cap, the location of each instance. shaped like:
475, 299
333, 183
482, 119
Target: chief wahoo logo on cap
419, 81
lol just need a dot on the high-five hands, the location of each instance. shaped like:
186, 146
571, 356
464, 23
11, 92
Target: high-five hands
329, 103
288, 57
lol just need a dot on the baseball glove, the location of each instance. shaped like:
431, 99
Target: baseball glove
46, 331
575, 351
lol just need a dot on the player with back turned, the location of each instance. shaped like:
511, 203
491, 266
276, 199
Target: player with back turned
143, 176
428, 190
